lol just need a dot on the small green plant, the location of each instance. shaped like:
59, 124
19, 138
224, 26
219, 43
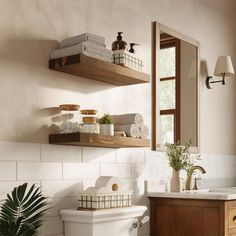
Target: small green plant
179, 157
21, 213
107, 119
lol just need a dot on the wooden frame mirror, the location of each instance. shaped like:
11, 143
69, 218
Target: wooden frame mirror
174, 88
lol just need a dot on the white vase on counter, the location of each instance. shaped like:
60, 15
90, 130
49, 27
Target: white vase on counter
175, 182
107, 129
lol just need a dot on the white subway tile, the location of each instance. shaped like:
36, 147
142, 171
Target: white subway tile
213, 182
231, 181
80, 170
13, 151
230, 160
104, 155
204, 160
119, 170
226, 171
39, 171
130, 155
7, 170
144, 171
61, 188
127, 184
216, 159
57, 204
8, 186
153, 156
56, 153
211, 171
52, 226
139, 185
86, 183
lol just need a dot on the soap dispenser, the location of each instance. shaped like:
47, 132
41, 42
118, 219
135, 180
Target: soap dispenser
131, 50
119, 44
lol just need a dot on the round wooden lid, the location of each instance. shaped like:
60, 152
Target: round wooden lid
69, 107
89, 112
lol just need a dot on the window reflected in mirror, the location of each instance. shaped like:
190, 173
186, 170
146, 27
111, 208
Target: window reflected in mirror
177, 91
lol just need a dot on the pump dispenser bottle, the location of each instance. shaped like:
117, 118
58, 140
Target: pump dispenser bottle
119, 44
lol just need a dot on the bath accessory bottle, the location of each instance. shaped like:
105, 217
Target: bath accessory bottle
119, 44
131, 50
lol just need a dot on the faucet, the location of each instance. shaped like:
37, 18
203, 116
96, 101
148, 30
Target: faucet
189, 177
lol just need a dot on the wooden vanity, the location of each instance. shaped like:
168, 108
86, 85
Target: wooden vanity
192, 217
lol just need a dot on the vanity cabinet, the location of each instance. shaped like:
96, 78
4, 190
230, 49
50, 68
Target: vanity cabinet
192, 217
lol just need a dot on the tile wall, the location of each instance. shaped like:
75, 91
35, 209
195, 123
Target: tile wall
63, 171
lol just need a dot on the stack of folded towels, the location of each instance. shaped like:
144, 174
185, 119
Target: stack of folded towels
131, 124
88, 44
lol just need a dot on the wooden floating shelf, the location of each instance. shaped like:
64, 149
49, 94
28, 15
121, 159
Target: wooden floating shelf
97, 140
95, 69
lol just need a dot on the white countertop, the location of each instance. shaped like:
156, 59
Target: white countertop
228, 193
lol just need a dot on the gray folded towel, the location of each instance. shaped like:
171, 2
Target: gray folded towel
131, 118
83, 37
144, 131
131, 130
83, 47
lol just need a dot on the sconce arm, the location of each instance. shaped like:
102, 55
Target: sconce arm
209, 82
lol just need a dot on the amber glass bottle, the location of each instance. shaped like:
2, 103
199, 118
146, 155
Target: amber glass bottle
119, 44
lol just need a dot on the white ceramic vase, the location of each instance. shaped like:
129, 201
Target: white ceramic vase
107, 129
175, 182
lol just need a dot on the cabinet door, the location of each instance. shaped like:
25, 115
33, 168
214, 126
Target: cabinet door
180, 218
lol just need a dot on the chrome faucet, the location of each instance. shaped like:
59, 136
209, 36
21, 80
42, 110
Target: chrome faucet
189, 178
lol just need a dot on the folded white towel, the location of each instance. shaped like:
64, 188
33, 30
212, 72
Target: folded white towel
131, 118
80, 48
97, 56
83, 37
144, 131
131, 130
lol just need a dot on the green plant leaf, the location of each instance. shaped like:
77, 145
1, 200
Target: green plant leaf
107, 119
22, 211
179, 157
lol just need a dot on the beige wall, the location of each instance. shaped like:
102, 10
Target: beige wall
29, 30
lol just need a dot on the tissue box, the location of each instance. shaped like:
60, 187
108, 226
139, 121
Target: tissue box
104, 201
124, 58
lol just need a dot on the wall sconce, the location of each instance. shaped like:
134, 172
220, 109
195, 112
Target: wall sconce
223, 68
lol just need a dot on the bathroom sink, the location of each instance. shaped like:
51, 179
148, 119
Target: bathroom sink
197, 191
224, 193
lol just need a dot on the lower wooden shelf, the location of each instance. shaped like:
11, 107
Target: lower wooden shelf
97, 140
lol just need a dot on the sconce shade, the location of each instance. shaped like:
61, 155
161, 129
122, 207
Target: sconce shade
224, 66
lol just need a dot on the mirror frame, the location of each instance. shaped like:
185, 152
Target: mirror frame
156, 30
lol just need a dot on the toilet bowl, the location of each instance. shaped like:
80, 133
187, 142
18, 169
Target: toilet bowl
111, 222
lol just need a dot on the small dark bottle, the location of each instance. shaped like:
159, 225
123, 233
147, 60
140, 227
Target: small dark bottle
119, 44
131, 50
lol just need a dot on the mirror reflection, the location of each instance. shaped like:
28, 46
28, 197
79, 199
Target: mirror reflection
177, 89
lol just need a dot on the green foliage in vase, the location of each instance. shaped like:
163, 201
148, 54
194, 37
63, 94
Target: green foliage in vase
179, 157
107, 119
21, 213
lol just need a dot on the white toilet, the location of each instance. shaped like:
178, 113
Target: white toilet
113, 222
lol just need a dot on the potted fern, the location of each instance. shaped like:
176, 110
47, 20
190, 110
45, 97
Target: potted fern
21, 213
107, 125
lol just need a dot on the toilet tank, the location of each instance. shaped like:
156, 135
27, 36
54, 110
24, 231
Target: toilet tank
110, 222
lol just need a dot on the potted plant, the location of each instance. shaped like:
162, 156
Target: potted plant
21, 213
179, 159
107, 125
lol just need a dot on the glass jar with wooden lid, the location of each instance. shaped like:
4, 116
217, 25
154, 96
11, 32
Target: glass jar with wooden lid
89, 116
70, 118
89, 121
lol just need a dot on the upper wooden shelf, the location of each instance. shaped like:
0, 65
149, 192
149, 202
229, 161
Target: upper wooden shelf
97, 140
95, 69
